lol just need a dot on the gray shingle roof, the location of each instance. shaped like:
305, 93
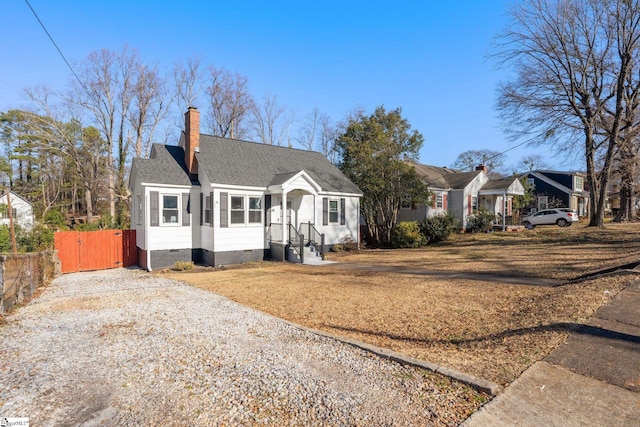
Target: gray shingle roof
498, 184
235, 162
166, 166
443, 177
459, 180
433, 176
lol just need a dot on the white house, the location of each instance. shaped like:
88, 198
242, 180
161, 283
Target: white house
220, 201
21, 209
463, 193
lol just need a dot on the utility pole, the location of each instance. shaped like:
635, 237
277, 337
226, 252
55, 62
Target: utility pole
11, 227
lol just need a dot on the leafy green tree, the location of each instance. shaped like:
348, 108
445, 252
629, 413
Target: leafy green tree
407, 234
527, 200
438, 228
377, 154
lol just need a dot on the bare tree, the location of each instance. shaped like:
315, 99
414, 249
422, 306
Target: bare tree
309, 129
126, 102
574, 61
491, 160
189, 84
271, 122
148, 109
532, 162
229, 103
328, 135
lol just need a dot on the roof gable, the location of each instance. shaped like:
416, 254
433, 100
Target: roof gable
14, 197
552, 182
511, 186
165, 166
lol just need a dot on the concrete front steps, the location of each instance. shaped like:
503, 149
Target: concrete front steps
311, 256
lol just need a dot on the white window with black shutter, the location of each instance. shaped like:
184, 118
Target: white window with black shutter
169, 209
255, 210
333, 211
207, 210
236, 210
240, 210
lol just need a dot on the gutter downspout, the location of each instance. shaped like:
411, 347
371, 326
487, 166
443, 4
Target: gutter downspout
285, 227
147, 219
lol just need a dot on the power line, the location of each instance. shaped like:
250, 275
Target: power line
507, 150
56, 46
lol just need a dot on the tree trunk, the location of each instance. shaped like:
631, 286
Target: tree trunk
87, 202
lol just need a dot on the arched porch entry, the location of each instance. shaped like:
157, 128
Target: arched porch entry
292, 211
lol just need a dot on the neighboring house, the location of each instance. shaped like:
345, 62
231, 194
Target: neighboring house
556, 189
22, 211
463, 193
221, 201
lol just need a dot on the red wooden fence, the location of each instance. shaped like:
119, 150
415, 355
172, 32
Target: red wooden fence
96, 250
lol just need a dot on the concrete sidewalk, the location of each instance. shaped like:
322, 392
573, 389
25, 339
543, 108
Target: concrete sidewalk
592, 379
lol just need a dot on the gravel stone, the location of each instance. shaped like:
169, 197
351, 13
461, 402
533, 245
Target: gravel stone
123, 347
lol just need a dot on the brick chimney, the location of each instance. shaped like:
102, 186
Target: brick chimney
482, 168
191, 139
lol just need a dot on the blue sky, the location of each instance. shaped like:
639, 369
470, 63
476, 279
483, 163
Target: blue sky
429, 58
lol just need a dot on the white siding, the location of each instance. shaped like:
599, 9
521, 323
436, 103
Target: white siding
138, 190
457, 205
23, 210
166, 236
236, 237
207, 231
300, 183
302, 206
472, 189
306, 212
334, 232
196, 234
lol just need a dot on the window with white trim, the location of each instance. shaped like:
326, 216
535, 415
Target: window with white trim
237, 210
255, 210
579, 183
531, 182
439, 201
543, 202
334, 213
474, 203
4, 212
170, 209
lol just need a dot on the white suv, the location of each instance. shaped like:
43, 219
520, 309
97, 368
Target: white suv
562, 216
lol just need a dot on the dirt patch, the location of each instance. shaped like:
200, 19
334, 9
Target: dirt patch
490, 330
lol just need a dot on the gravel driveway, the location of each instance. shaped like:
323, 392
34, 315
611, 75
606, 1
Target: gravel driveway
123, 347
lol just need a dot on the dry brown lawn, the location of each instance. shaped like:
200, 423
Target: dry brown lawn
487, 329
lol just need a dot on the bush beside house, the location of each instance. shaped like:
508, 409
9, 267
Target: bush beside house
415, 234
